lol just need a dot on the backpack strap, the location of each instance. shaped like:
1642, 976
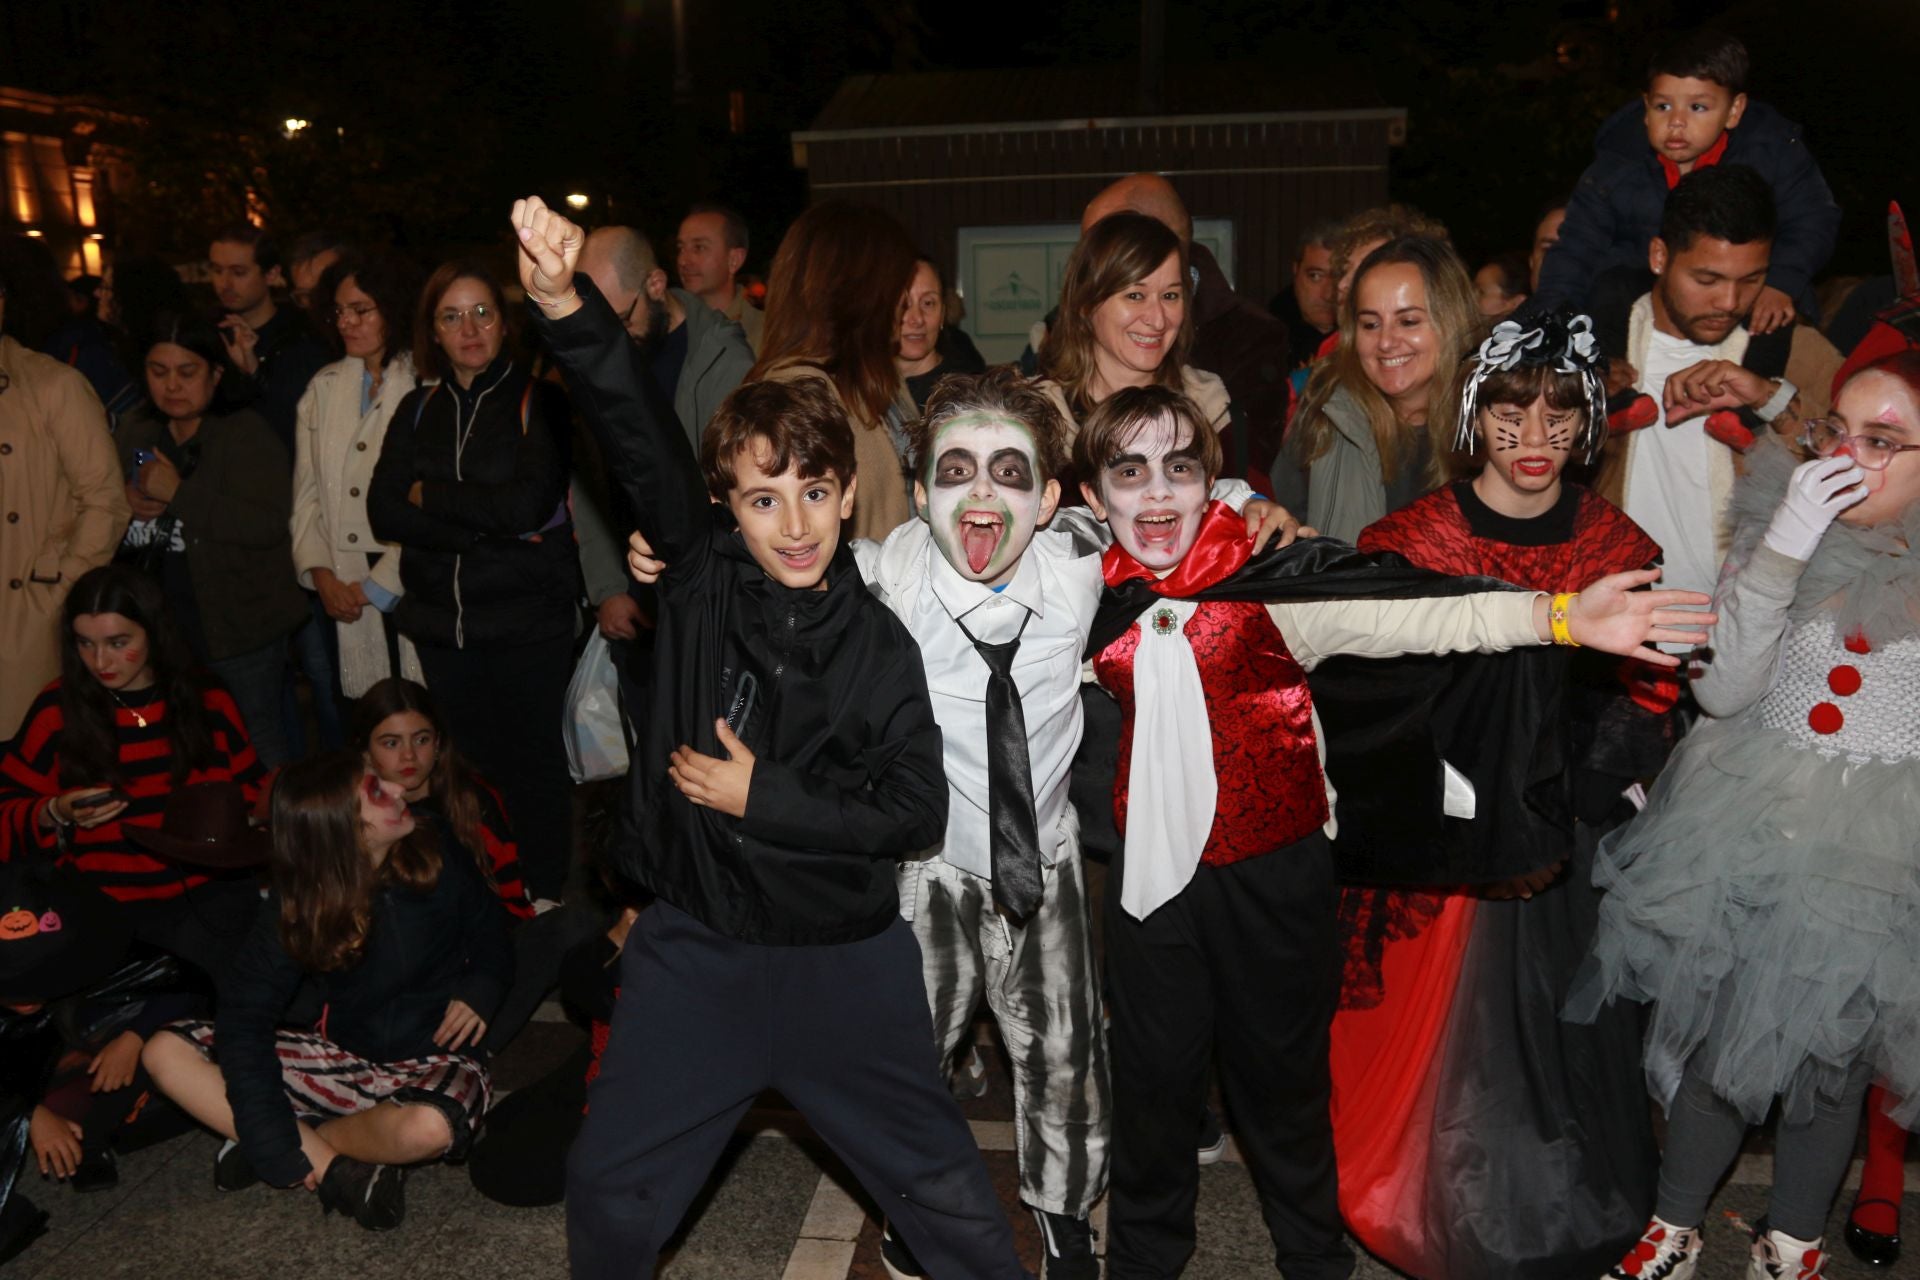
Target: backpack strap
420, 407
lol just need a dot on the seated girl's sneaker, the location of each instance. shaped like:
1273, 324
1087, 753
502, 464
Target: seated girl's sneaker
1779, 1256
1665, 1252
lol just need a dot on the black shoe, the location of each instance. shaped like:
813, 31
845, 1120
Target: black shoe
20, 1225
1066, 1247
373, 1195
1871, 1247
1213, 1139
897, 1258
98, 1171
232, 1171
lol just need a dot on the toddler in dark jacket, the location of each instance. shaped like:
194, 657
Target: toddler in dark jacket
1695, 113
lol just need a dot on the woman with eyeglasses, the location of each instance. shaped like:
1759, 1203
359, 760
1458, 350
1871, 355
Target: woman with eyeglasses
342, 420
472, 485
1766, 901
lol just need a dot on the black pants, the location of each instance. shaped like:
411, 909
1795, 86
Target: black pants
503, 706
704, 1024
1244, 964
539, 947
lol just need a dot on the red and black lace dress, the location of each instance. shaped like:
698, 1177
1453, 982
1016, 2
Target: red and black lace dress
1478, 1135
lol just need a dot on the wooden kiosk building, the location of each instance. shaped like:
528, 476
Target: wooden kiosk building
990, 169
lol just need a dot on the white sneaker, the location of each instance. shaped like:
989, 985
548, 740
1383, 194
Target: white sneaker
1665, 1252
1779, 1256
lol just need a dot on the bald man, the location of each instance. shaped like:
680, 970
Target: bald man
694, 355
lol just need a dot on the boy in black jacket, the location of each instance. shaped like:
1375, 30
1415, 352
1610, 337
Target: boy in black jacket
790, 758
1695, 114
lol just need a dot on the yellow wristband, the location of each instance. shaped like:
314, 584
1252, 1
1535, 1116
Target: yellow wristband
1557, 618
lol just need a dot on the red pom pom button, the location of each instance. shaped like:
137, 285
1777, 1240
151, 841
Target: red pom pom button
1844, 680
1825, 718
1857, 643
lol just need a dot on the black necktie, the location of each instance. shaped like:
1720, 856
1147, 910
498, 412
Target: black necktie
1015, 842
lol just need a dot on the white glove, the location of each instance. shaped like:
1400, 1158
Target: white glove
1818, 492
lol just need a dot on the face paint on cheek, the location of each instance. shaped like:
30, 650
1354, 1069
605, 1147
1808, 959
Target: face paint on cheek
983, 503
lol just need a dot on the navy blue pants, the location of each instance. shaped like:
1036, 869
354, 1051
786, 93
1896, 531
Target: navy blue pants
704, 1024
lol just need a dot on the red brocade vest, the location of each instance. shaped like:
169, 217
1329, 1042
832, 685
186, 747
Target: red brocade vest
1271, 789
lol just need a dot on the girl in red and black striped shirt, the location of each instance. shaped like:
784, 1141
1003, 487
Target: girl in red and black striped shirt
102, 748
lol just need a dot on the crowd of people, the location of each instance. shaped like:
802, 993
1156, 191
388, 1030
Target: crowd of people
1481, 683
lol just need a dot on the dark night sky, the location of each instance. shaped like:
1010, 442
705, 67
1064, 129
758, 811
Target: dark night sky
452, 107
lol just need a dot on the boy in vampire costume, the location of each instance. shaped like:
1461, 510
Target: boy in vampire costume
1221, 935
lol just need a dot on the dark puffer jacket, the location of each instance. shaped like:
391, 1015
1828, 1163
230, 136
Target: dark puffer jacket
1615, 210
492, 461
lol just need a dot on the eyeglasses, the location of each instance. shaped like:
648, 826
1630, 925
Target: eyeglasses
1825, 436
355, 312
484, 317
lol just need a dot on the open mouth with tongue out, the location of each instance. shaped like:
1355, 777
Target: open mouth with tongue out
980, 536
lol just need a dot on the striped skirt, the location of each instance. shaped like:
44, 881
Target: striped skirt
324, 1081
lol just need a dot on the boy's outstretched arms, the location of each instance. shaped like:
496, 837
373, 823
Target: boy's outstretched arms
641, 440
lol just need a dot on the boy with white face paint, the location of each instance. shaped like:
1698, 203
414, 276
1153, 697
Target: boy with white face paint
1221, 942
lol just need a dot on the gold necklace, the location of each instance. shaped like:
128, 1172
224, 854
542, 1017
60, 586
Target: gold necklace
137, 717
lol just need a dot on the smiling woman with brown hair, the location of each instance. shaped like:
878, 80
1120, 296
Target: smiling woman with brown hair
1124, 320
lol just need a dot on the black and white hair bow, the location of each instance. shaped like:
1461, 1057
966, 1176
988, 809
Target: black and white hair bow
1561, 342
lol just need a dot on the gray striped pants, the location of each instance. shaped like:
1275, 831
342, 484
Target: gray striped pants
1040, 982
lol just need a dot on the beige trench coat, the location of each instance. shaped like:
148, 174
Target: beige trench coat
63, 509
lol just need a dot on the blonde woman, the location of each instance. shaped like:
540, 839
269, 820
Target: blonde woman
1372, 432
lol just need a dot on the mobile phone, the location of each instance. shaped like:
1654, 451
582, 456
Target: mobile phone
141, 457
96, 800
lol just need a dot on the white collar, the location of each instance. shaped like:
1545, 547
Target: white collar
960, 596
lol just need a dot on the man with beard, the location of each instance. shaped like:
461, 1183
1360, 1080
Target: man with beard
1687, 346
694, 355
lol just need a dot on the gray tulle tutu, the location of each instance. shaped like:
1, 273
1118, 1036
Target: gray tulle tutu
1767, 902
1767, 899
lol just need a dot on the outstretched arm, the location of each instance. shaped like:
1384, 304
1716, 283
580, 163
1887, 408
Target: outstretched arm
1611, 615
639, 437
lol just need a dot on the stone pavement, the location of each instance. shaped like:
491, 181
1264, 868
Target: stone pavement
778, 1208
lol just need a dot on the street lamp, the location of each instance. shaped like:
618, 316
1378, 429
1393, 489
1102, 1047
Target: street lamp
294, 126
577, 200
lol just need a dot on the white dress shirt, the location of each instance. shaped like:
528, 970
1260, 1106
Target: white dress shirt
1054, 590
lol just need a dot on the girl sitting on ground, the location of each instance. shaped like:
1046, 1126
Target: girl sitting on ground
410, 951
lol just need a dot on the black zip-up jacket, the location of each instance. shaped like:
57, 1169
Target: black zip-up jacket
423, 950
829, 690
492, 460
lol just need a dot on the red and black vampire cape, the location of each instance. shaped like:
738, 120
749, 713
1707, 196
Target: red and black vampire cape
1389, 723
